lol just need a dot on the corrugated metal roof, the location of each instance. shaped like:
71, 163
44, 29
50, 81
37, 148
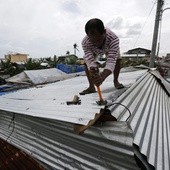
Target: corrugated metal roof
38, 121
49, 101
106, 146
148, 102
40, 76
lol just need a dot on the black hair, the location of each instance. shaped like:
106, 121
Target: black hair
93, 24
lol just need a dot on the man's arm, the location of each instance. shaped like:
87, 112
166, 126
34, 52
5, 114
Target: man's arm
88, 54
112, 54
110, 63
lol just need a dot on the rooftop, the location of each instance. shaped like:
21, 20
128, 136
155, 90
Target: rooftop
39, 121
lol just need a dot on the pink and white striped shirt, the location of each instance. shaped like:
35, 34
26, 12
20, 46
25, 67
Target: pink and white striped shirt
110, 48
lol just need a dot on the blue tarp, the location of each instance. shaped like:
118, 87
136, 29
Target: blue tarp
3, 89
3, 93
70, 68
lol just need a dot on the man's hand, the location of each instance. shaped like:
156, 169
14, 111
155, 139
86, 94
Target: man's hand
95, 76
93, 71
97, 80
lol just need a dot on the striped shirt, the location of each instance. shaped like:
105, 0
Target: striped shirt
110, 48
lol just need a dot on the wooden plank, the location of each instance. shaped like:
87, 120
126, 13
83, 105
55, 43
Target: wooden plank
102, 117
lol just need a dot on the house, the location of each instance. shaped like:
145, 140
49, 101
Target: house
137, 53
17, 57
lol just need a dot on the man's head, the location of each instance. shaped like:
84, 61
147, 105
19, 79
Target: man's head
95, 30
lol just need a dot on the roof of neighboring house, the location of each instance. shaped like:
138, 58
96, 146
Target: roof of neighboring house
40, 76
13, 158
138, 51
42, 124
15, 54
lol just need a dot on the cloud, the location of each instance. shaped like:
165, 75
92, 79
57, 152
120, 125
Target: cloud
71, 7
134, 29
43, 28
124, 28
115, 23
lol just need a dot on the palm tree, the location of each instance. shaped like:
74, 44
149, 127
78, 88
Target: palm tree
75, 48
67, 52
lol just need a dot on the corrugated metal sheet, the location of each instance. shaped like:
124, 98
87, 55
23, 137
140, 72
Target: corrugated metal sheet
108, 146
49, 101
40, 76
148, 102
38, 121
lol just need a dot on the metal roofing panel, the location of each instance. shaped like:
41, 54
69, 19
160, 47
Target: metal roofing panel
107, 146
37, 121
49, 101
148, 104
40, 76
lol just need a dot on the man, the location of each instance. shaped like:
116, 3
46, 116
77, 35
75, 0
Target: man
99, 41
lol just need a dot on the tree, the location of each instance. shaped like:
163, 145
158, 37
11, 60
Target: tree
33, 64
11, 68
75, 48
67, 52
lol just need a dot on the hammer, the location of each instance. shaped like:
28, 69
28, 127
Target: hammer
101, 101
93, 72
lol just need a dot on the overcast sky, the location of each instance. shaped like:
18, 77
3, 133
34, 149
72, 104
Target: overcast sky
44, 28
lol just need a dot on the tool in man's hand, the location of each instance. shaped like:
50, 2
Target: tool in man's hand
95, 71
101, 101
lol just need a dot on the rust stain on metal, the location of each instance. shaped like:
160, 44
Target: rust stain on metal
12, 158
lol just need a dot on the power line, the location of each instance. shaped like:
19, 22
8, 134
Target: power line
144, 23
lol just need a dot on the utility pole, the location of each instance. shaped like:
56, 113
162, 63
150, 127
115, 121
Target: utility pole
155, 34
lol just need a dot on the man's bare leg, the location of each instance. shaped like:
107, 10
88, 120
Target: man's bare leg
91, 88
116, 75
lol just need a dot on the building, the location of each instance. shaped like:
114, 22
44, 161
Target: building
17, 57
137, 53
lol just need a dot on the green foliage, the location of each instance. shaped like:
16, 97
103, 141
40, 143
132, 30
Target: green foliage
128, 62
71, 59
52, 62
33, 64
11, 68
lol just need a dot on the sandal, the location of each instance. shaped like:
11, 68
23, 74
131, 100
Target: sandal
87, 91
119, 86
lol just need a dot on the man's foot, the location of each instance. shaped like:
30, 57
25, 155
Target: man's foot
118, 85
88, 91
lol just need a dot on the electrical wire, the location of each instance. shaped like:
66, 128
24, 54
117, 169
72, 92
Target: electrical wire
144, 24
123, 106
